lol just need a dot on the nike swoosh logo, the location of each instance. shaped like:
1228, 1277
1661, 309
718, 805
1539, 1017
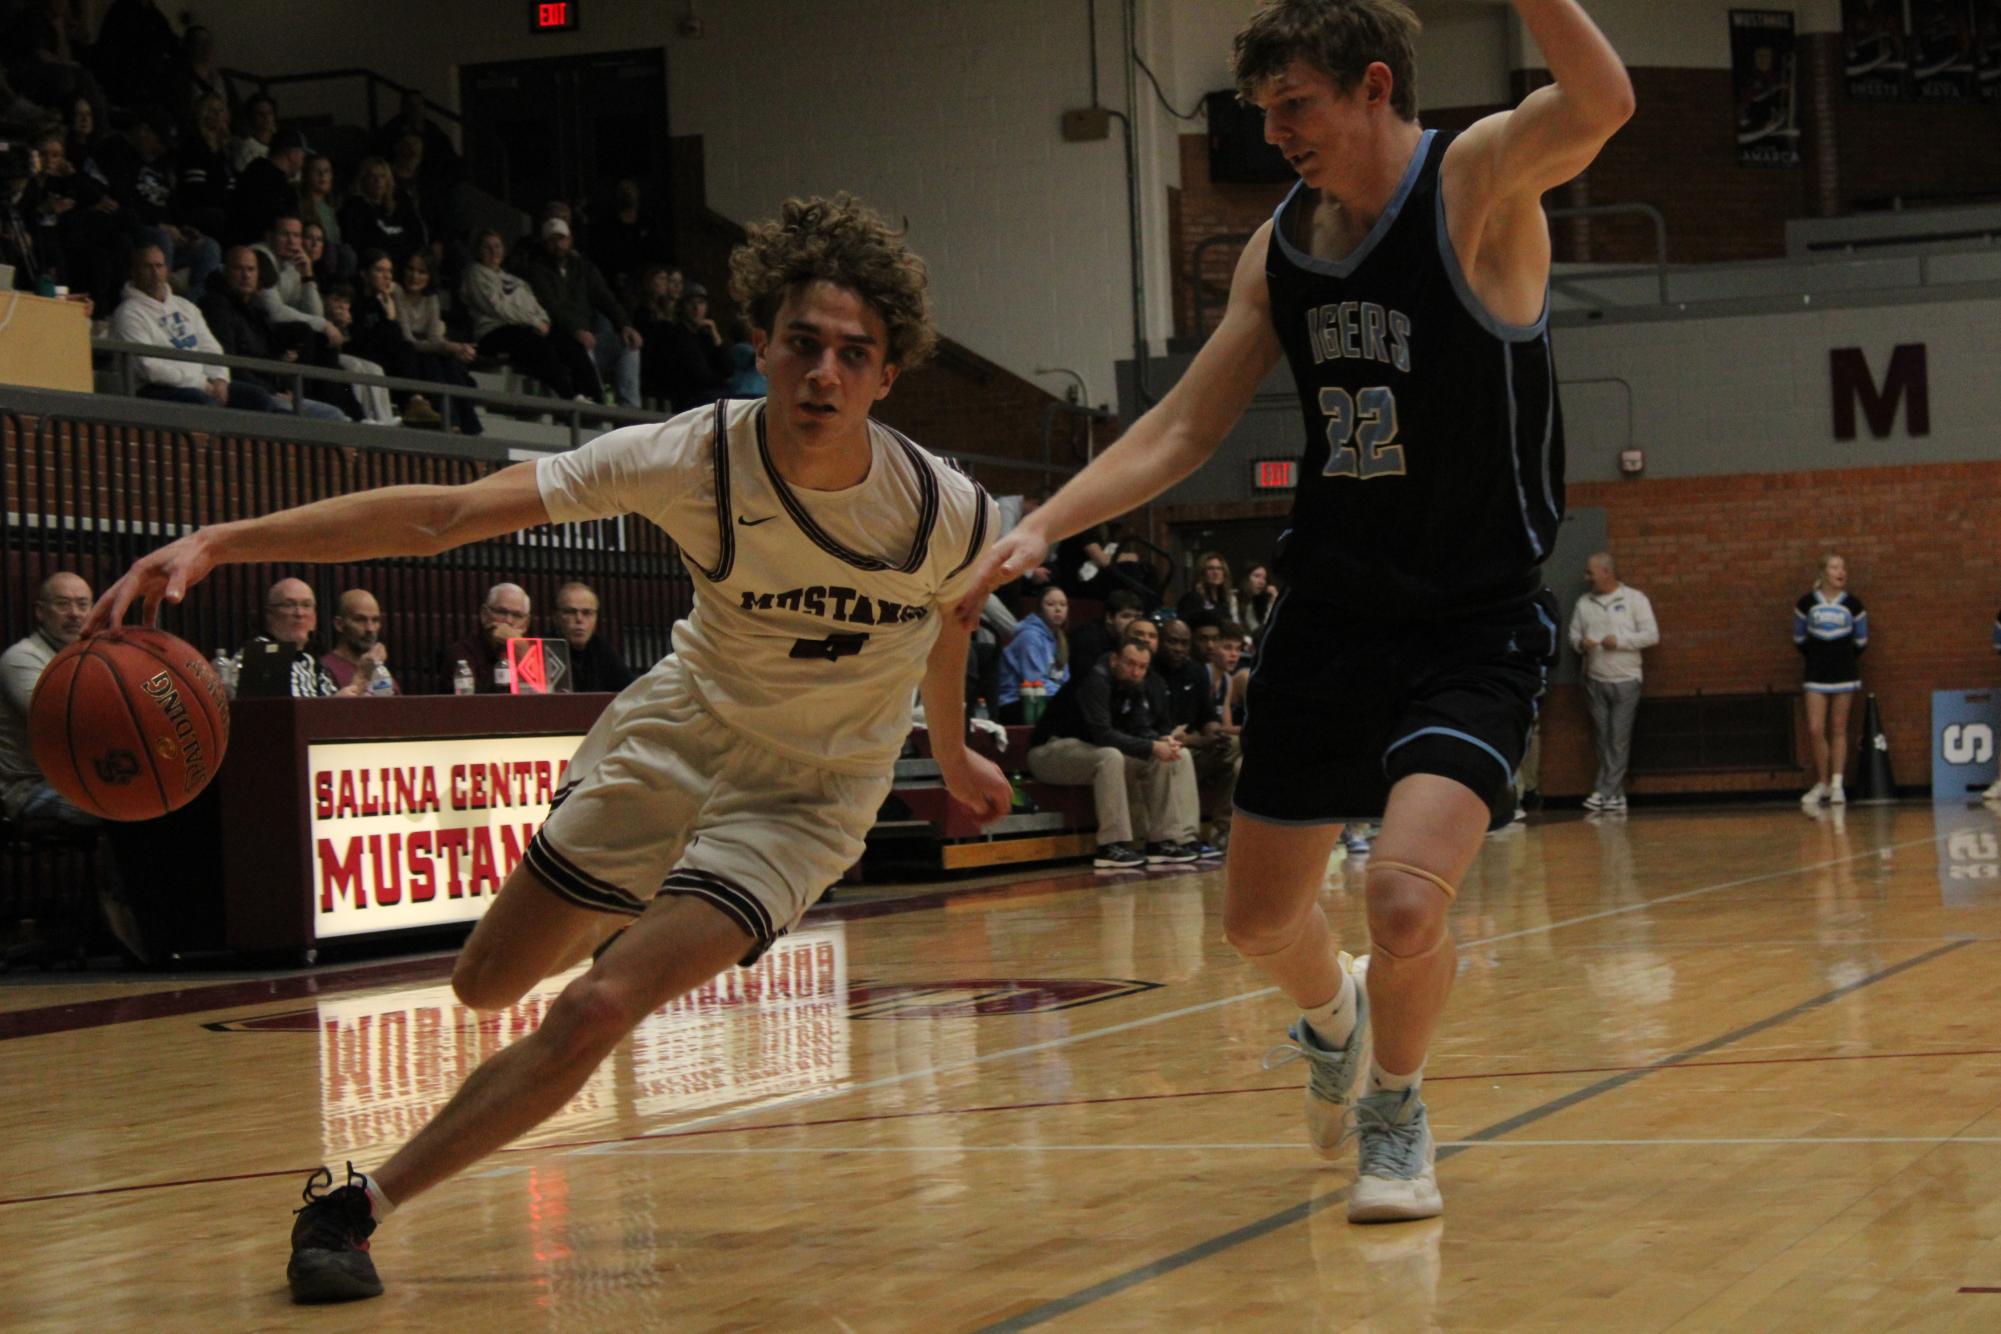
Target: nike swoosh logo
752, 523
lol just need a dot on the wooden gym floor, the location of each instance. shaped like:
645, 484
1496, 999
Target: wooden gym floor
1725, 1069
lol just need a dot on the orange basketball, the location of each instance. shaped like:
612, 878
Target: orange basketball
129, 724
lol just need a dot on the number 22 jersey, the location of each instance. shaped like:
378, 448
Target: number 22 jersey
1432, 483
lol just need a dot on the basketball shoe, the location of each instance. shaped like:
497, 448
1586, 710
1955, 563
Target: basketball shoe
1814, 795
1835, 796
1330, 1072
330, 1242
1397, 1179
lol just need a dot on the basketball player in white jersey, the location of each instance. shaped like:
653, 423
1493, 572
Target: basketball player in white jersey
723, 792
1406, 279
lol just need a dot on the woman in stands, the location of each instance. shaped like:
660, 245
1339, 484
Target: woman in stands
1039, 651
206, 176
1831, 629
1212, 599
420, 310
653, 316
375, 217
316, 205
507, 321
378, 335
1255, 598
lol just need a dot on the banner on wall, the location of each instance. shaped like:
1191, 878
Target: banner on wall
1873, 49
1943, 62
1987, 48
1764, 74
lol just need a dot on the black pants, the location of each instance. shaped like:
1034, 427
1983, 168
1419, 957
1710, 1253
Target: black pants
558, 362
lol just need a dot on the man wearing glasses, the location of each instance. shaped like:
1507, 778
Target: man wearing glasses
503, 615
291, 614
60, 606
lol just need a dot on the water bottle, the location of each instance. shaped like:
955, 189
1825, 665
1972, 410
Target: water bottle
382, 683
503, 676
462, 682
1034, 698
980, 709
225, 672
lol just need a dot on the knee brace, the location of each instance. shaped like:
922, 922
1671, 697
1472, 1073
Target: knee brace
1442, 886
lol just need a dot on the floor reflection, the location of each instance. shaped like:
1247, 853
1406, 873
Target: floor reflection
389, 1061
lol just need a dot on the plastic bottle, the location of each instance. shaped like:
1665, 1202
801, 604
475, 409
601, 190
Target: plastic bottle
980, 709
380, 682
1034, 699
225, 672
462, 682
503, 676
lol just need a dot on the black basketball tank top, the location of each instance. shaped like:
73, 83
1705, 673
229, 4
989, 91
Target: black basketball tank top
1432, 482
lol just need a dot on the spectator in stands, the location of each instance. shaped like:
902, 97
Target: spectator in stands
81, 143
653, 312
240, 325
139, 174
1221, 652
42, 45
420, 310
257, 125
28, 240
379, 336
406, 168
205, 190
268, 188
628, 240
503, 615
291, 614
1830, 629
1090, 643
376, 405
594, 664
1610, 626
358, 654
1213, 597
1039, 651
507, 321
200, 77
697, 365
53, 224
290, 293
138, 55
1147, 631
317, 208
375, 217
1108, 728
441, 164
1192, 707
61, 604
583, 310
151, 313
746, 380
1255, 599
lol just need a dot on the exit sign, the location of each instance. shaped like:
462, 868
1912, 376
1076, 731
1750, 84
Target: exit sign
552, 15
1274, 474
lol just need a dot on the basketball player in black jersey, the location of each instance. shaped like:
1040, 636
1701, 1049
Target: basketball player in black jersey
1405, 279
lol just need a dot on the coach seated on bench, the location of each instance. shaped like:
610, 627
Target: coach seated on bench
1109, 727
60, 606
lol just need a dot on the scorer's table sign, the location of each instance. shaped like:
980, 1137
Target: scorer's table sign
421, 833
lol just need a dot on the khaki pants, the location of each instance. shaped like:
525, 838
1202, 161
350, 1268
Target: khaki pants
1163, 793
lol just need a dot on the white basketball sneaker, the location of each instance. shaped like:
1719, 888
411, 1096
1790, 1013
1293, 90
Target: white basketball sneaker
1814, 795
1835, 796
1330, 1072
1398, 1179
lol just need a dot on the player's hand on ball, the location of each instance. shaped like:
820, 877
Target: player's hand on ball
980, 787
1006, 560
166, 574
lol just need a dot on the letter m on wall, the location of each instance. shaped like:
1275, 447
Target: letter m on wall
1905, 384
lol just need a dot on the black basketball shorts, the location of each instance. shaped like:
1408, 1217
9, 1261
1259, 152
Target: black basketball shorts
1341, 707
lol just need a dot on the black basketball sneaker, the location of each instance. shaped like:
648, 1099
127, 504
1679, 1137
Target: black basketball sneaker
330, 1242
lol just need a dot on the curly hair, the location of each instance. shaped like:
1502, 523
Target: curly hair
1340, 38
838, 240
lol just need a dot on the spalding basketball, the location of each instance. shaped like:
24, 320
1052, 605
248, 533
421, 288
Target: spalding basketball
129, 724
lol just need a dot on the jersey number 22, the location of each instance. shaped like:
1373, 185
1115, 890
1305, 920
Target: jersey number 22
1361, 433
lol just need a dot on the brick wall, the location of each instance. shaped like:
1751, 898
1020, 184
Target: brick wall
1724, 558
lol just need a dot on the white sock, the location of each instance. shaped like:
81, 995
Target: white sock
378, 1204
1334, 1022
1382, 1081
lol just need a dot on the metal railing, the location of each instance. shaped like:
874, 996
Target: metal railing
264, 83
572, 411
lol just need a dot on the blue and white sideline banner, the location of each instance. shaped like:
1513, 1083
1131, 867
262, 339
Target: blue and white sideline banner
1966, 725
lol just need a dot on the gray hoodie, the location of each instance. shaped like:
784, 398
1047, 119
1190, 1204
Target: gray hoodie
496, 297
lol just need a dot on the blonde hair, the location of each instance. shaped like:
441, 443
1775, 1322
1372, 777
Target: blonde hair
841, 241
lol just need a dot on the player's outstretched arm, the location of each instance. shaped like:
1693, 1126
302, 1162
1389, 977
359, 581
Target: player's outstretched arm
1558, 129
392, 521
974, 781
1174, 438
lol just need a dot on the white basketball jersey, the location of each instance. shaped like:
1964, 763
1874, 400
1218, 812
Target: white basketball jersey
814, 610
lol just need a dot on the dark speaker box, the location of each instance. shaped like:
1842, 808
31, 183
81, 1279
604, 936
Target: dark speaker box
1238, 153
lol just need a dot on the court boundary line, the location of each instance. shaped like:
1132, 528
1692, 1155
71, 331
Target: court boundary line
1251, 1231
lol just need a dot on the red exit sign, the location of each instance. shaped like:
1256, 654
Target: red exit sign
1274, 474
552, 15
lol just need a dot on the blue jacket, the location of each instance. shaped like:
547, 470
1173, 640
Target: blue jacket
1030, 656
